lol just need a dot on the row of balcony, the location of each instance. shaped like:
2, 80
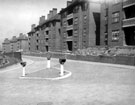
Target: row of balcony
70, 16
128, 3
126, 22
129, 22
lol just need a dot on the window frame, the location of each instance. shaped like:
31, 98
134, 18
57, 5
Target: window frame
115, 17
115, 35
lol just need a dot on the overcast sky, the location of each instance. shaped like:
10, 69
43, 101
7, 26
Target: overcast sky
16, 16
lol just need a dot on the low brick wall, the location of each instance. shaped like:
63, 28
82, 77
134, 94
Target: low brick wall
13, 58
124, 60
16, 55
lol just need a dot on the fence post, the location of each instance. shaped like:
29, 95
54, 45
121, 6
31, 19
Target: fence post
23, 71
49, 60
62, 60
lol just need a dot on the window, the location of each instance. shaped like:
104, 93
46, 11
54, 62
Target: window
76, 20
70, 33
64, 24
70, 22
85, 18
47, 32
75, 44
115, 35
115, 17
84, 32
64, 35
47, 39
75, 32
84, 44
106, 28
106, 12
37, 47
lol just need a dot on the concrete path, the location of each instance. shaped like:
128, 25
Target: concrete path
90, 84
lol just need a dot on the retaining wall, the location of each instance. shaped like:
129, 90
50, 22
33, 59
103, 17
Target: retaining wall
124, 60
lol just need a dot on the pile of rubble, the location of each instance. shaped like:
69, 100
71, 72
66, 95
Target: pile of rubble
107, 51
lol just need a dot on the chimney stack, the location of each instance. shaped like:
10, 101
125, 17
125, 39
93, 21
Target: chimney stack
51, 13
68, 3
41, 19
54, 11
48, 16
32, 27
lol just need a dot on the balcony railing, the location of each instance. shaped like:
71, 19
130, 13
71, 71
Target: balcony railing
128, 3
46, 36
69, 38
70, 27
70, 16
129, 22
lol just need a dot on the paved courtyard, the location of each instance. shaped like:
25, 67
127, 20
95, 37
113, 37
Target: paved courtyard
90, 84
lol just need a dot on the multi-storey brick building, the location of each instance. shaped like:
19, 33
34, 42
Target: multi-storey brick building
80, 25
31, 39
118, 23
15, 44
46, 36
128, 25
6, 45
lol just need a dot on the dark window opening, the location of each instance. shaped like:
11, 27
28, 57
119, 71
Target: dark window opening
70, 45
97, 21
130, 35
106, 28
59, 31
37, 41
47, 48
106, 12
70, 33
130, 12
37, 47
106, 39
47, 39
47, 32
70, 21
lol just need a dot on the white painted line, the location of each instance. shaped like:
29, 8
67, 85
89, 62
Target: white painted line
57, 78
31, 62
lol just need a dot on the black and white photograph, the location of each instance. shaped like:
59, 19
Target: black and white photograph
67, 52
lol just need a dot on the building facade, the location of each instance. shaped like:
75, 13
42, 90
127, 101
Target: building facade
6, 45
80, 25
85, 23
128, 25
46, 36
118, 23
15, 44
